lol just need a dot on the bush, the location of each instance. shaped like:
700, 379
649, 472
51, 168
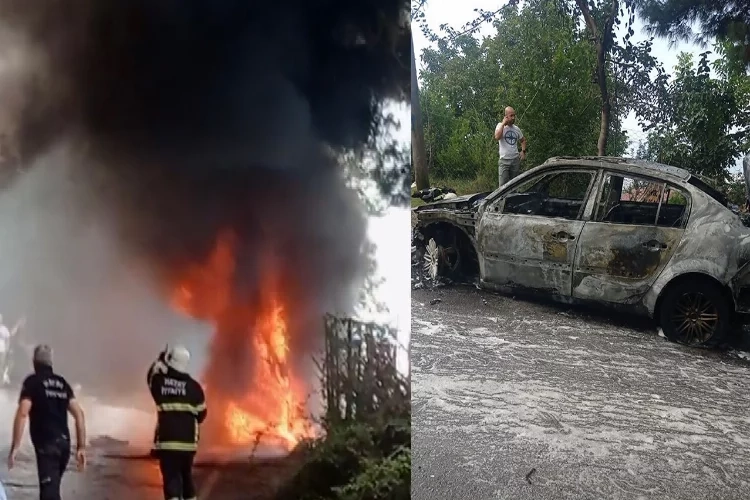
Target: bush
356, 461
388, 479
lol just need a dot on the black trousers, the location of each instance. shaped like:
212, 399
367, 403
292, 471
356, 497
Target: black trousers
51, 461
177, 474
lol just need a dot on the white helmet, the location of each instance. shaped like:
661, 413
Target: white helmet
178, 358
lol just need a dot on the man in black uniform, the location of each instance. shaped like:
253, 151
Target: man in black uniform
181, 407
46, 399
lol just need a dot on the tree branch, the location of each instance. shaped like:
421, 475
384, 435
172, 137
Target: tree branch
623, 64
418, 9
476, 23
608, 32
588, 18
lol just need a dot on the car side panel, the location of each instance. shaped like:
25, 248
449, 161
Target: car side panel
714, 244
614, 265
521, 251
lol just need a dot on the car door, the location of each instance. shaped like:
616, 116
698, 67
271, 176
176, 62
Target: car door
636, 226
527, 237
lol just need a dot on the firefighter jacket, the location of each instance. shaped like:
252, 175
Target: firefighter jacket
181, 407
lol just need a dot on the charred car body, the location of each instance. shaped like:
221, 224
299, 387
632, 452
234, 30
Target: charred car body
641, 236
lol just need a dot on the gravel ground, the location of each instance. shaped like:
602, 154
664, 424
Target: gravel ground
520, 400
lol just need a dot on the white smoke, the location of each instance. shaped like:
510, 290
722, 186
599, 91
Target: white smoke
61, 267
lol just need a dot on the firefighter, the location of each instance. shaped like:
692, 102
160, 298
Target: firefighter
181, 408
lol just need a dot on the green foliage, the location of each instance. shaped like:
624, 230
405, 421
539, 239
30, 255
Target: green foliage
356, 461
388, 479
543, 62
708, 120
735, 189
546, 68
539, 62
676, 199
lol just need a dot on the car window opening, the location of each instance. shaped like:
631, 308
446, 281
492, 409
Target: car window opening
558, 195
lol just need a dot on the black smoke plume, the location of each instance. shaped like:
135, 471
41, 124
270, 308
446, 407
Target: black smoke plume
190, 117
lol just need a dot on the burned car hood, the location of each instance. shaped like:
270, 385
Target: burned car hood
458, 203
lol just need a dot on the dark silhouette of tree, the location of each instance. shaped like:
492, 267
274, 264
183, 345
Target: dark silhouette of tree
724, 20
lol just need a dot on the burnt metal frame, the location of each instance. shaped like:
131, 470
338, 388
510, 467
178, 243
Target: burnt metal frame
499, 200
664, 186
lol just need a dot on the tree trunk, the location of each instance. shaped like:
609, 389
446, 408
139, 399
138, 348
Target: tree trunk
418, 154
601, 76
603, 43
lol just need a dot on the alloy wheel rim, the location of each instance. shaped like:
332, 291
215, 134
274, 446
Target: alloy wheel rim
695, 318
432, 259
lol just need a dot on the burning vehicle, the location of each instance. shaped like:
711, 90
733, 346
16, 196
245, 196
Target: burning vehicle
639, 236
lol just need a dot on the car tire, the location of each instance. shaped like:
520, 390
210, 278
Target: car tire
695, 314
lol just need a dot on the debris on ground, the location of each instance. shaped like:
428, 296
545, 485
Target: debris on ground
528, 476
740, 355
435, 301
106, 442
435, 194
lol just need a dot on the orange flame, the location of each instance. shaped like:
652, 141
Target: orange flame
272, 409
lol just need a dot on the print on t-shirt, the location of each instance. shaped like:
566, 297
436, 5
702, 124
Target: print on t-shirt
508, 143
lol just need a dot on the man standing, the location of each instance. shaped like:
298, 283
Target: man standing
46, 399
181, 407
508, 136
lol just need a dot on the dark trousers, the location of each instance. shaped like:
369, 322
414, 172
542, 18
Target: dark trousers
177, 474
51, 461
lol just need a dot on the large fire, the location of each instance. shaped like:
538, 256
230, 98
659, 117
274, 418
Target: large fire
255, 332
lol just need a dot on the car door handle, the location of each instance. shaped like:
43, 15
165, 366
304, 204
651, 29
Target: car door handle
563, 237
655, 246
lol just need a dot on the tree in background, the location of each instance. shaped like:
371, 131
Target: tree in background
418, 153
601, 18
708, 123
419, 159
633, 63
540, 62
547, 64
544, 71
724, 20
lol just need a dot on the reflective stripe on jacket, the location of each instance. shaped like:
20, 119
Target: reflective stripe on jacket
181, 407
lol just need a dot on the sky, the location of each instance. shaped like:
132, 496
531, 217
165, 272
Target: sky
391, 233
456, 14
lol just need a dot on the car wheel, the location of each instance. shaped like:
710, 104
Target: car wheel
432, 259
695, 314
441, 259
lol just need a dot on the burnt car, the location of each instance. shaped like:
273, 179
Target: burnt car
639, 236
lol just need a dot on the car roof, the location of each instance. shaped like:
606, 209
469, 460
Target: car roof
621, 163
